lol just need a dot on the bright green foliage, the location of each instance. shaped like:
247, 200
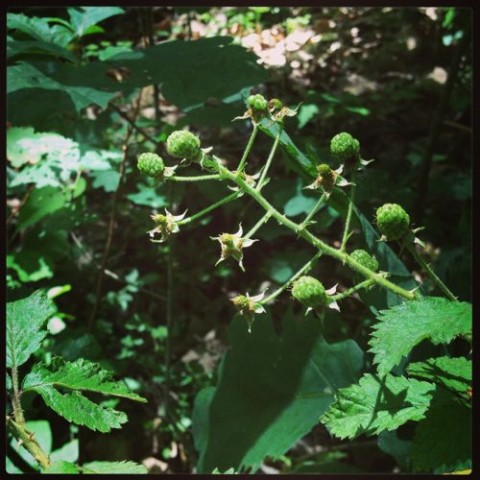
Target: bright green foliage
309, 291
365, 259
454, 374
392, 221
25, 319
404, 326
151, 165
80, 375
377, 404
344, 147
183, 144
442, 441
113, 467
270, 392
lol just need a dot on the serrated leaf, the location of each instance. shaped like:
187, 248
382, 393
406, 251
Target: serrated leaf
404, 326
271, 391
25, 321
454, 374
375, 405
80, 375
78, 409
113, 467
442, 441
62, 466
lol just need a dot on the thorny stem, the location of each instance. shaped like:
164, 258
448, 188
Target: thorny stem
315, 241
269, 160
249, 146
215, 205
17, 406
303, 270
411, 248
351, 291
349, 216
262, 221
314, 211
197, 178
28, 440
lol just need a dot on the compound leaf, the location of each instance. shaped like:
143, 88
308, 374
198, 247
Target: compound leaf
80, 375
404, 326
25, 319
375, 405
454, 374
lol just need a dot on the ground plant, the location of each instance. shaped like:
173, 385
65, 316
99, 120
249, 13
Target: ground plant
211, 271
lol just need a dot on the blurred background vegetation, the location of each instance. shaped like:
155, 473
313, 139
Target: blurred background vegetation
398, 79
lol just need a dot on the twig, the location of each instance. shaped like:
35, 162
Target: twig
111, 225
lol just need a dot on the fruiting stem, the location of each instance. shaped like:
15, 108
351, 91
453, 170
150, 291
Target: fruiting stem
29, 442
263, 220
269, 160
303, 270
215, 205
312, 239
365, 284
411, 248
197, 178
314, 211
246, 152
349, 216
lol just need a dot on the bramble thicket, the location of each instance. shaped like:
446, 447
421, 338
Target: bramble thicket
239, 240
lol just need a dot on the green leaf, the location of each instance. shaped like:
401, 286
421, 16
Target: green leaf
401, 450
404, 326
74, 378
80, 375
62, 466
25, 75
25, 319
113, 467
375, 405
306, 113
40, 203
68, 452
108, 180
147, 196
78, 409
454, 374
442, 442
270, 392
82, 18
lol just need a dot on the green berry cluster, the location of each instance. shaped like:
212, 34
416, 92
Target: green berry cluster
257, 102
183, 144
309, 291
365, 259
392, 221
151, 165
344, 147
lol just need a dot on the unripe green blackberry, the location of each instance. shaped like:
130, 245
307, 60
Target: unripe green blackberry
309, 291
365, 259
344, 147
257, 102
151, 164
392, 221
326, 176
183, 144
